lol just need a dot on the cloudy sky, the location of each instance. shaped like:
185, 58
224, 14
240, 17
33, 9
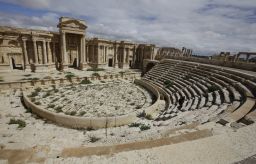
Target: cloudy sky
206, 26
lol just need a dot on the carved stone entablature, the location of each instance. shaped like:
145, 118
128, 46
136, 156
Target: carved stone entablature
71, 25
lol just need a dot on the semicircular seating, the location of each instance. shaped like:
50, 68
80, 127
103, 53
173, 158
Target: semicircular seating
192, 86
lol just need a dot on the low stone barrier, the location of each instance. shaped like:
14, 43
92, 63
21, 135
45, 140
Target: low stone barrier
93, 122
62, 81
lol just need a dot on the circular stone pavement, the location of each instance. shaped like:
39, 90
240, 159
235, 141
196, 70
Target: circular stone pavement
106, 99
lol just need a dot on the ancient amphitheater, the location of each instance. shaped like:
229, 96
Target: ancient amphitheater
118, 102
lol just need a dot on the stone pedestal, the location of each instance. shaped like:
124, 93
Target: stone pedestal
42, 67
83, 66
28, 68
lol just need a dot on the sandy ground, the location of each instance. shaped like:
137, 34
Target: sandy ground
220, 149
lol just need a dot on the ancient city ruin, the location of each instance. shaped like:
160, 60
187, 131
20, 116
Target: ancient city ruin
65, 96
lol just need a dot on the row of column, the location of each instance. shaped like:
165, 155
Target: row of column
47, 53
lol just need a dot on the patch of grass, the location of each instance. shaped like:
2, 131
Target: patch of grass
20, 122
102, 81
56, 99
33, 94
38, 89
58, 109
142, 114
96, 69
134, 124
96, 74
32, 99
168, 83
138, 106
122, 72
144, 127
38, 103
69, 76
93, 139
28, 110
27, 75
81, 113
85, 81
73, 113
89, 128
51, 106
213, 88
47, 77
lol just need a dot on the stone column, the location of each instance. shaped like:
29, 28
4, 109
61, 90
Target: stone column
115, 56
63, 48
87, 54
93, 54
53, 52
81, 60
35, 52
49, 53
98, 54
25, 51
44, 53
106, 54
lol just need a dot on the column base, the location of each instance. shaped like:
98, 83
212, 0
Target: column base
83, 66
42, 67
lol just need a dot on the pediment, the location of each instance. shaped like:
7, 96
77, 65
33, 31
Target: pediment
72, 24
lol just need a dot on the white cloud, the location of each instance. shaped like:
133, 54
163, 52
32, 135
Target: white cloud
204, 25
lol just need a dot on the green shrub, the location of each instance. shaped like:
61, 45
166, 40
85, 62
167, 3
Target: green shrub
168, 83
69, 76
89, 128
213, 88
138, 106
73, 113
38, 89
33, 99
81, 113
20, 122
142, 114
85, 81
38, 103
122, 72
47, 77
51, 106
33, 94
96, 74
95, 69
134, 124
58, 109
144, 127
93, 139
55, 99
28, 110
